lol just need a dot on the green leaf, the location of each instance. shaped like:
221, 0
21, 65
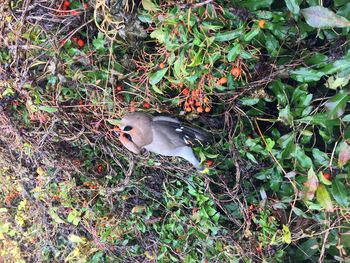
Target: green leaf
339, 193
306, 75
48, 109
251, 34
338, 66
293, 6
149, 5
320, 158
272, 44
157, 76
334, 82
197, 59
285, 115
321, 17
54, 215
113, 122
99, 42
253, 5
336, 104
306, 250
324, 198
234, 52
229, 35
156, 89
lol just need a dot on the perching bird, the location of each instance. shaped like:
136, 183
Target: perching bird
162, 135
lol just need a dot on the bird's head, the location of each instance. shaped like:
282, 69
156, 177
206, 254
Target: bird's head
137, 127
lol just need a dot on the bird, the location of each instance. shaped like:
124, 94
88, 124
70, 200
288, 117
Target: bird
162, 135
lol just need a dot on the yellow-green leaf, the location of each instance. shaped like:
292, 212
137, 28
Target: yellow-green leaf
324, 198
138, 209
149, 5
286, 235
55, 216
75, 239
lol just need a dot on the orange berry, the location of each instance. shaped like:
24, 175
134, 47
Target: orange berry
188, 109
197, 104
327, 176
86, 6
81, 43
146, 105
161, 65
205, 100
186, 91
194, 93
262, 23
210, 163
207, 109
222, 81
236, 71
66, 3
181, 85
199, 109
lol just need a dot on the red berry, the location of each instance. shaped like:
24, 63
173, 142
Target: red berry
99, 168
119, 88
210, 163
86, 6
75, 39
186, 91
146, 105
81, 43
327, 176
74, 12
66, 3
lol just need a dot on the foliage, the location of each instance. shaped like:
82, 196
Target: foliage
269, 79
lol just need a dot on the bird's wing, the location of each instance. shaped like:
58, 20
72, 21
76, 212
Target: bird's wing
166, 132
187, 134
165, 118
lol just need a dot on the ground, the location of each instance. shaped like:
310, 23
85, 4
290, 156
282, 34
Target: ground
267, 79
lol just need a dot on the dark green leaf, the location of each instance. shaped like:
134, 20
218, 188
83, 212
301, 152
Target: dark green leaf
306, 250
293, 6
306, 75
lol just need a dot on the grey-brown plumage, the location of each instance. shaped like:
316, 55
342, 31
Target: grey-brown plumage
162, 135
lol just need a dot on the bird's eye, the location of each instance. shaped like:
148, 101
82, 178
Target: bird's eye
127, 128
128, 137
